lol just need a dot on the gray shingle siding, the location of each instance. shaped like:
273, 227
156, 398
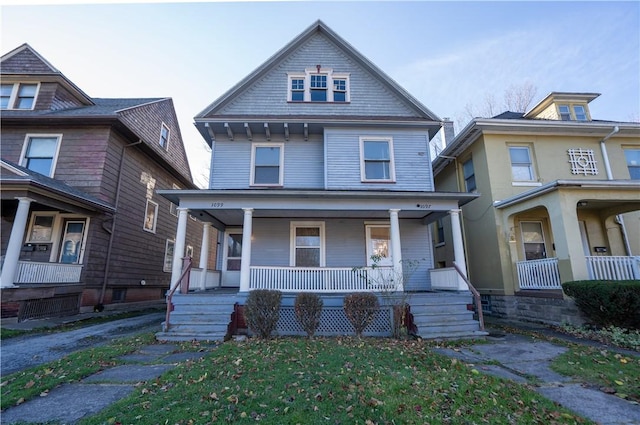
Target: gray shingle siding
269, 95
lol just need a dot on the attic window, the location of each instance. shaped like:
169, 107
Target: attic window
317, 84
18, 96
572, 112
164, 136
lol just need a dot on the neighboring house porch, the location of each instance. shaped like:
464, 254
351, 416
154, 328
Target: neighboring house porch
571, 230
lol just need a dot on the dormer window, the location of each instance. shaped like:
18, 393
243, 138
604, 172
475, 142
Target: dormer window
318, 84
565, 112
18, 96
572, 112
580, 113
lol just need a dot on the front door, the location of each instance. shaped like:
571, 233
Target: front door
72, 246
232, 257
379, 257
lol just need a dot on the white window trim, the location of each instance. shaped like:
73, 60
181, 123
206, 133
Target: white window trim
392, 168
54, 226
14, 96
84, 235
163, 126
54, 160
367, 231
155, 216
544, 238
253, 164
534, 178
173, 208
292, 233
306, 76
164, 260
57, 232
225, 248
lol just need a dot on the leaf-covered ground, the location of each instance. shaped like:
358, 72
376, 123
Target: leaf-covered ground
331, 381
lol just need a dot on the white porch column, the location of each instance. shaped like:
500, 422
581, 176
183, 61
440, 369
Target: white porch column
458, 246
15, 244
178, 248
396, 249
245, 259
204, 255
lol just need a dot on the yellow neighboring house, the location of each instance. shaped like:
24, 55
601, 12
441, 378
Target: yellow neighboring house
560, 201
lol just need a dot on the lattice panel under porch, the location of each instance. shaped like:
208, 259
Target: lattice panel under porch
49, 307
333, 322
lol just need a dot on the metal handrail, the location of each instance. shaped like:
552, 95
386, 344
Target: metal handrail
180, 283
476, 296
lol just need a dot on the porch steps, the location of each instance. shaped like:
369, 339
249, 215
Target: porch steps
199, 316
444, 315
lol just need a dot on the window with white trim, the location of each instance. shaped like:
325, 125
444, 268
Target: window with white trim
579, 112
41, 228
18, 95
469, 175
317, 84
633, 163
168, 255
565, 112
376, 159
150, 216
267, 164
533, 243
521, 164
173, 208
40, 153
573, 112
307, 244
164, 136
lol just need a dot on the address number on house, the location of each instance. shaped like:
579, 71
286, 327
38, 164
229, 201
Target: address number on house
217, 204
423, 206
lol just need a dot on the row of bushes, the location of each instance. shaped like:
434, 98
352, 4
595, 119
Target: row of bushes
607, 303
262, 311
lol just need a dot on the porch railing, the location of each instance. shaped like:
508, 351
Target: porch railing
314, 279
36, 272
539, 274
613, 267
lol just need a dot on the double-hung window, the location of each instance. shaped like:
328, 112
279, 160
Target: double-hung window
18, 95
40, 153
521, 164
376, 159
297, 89
307, 244
469, 175
164, 136
565, 112
579, 112
633, 162
267, 164
339, 90
319, 88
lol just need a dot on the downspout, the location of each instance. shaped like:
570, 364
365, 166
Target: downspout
112, 231
619, 219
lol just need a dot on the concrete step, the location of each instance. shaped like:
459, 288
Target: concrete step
171, 336
449, 334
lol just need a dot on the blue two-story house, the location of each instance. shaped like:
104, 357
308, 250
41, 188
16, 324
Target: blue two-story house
320, 164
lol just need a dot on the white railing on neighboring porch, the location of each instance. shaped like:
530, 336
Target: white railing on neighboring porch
613, 267
539, 274
447, 279
212, 280
315, 279
34, 272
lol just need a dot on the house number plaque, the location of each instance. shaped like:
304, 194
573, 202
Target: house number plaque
217, 204
423, 206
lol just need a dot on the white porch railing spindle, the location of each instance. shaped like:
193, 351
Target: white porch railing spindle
613, 267
36, 272
314, 279
539, 274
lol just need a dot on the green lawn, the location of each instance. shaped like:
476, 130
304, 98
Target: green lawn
332, 381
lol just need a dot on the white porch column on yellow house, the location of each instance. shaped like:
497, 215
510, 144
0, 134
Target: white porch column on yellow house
204, 255
178, 248
245, 258
458, 245
396, 249
12, 255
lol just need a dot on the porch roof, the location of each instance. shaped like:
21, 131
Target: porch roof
224, 208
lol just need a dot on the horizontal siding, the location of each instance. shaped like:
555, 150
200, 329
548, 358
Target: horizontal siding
303, 164
369, 97
417, 250
411, 160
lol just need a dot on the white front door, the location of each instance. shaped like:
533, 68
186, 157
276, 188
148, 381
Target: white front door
382, 276
231, 260
72, 246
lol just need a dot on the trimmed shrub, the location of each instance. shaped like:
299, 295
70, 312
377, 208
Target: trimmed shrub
360, 309
308, 309
262, 311
607, 302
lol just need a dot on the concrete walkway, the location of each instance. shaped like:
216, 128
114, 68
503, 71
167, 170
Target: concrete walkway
509, 356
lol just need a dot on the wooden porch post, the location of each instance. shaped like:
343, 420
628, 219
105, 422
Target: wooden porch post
245, 259
458, 246
178, 248
12, 255
396, 249
204, 255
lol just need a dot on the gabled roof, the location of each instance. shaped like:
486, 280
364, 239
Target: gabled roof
100, 108
19, 175
24, 61
352, 53
560, 97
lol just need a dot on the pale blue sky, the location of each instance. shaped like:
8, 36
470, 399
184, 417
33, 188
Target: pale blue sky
446, 54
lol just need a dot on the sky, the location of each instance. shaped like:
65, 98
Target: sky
448, 55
